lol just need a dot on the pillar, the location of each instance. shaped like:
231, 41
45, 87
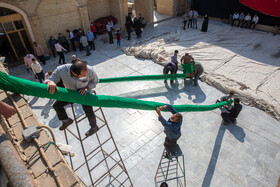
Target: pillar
83, 11
167, 7
118, 9
146, 8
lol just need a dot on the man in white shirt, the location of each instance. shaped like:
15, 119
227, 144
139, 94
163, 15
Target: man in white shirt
254, 21
72, 39
195, 15
109, 27
37, 70
190, 14
28, 60
59, 49
247, 20
235, 17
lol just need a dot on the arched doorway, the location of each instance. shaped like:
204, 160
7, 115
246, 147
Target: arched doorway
14, 38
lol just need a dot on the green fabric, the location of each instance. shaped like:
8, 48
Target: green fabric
187, 68
142, 78
27, 87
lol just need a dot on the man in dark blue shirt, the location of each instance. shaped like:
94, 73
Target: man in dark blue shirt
172, 127
169, 67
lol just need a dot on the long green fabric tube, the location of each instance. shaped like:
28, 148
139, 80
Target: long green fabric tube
142, 78
27, 87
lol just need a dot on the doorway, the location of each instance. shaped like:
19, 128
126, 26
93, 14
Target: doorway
14, 40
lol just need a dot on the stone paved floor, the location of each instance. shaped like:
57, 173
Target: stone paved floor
246, 154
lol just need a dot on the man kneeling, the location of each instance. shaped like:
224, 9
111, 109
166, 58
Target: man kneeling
77, 76
231, 114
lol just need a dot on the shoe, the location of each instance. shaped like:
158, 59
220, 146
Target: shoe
91, 131
65, 124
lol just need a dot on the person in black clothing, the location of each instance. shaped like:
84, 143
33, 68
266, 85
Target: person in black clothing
137, 27
205, 24
232, 113
169, 67
226, 97
128, 24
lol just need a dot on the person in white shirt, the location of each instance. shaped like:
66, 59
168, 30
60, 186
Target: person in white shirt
28, 60
72, 39
59, 49
37, 70
235, 17
247, 20
109, 27
195, 15
254, 21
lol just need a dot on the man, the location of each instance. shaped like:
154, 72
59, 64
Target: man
84, 42
254, 21
140, 19
52, 42
247, 20
37, 70
59, 49
169, 67
235, 17
198, 70
241, 19
226, 97
232, 113
187, 64
90, 38
190, 14
77, 76
39, 52
174, 59
185, 20
63, 41
137, 27
72, 39
195, 15
109, 27
28, 61
128, 24
172, 127
93, 30
79, 35
74, 59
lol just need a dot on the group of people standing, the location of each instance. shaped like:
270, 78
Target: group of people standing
138, 24
190, 18
244, 21
191, 68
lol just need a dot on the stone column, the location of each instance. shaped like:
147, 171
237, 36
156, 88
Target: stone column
118, 9
38, 33
83, 11
146, 8
167, 7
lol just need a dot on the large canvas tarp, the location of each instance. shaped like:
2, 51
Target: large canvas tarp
269, 7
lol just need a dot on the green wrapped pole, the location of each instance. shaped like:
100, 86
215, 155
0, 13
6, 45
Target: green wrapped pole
142, 78
27, 87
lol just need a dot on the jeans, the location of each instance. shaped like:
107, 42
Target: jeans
62, 115
111, 41
87, 50
118, 42
61, 56
184, 27
190, 23
196, 77
195, 22
41, 76
91, 45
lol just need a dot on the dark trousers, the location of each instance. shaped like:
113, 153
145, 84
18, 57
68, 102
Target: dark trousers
184, 27
110, 37
166, 72
73, 44
252, 23
170, 144
62, 115
87, 50
227, 117
61, 56
91, 45
66, 45
81, 48
42, 59
41, 76
190, 23
53, 51
94, 35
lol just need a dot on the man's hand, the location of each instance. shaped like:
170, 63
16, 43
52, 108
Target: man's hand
82, 91
163, 107
52, 87
36, 76
158, 111
163, 74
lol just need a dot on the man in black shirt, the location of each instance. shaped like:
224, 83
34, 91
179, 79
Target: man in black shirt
232, 113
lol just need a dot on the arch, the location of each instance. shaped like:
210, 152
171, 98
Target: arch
23, 14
